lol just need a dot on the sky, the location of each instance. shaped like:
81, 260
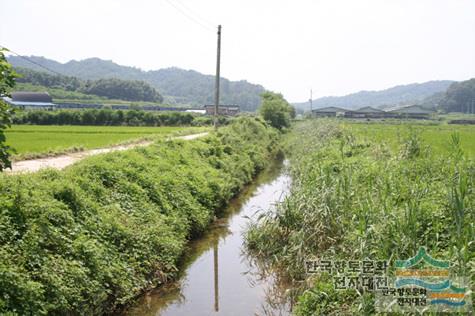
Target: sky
333, 47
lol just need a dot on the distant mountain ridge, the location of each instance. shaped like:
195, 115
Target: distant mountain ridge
178, 86
415, 93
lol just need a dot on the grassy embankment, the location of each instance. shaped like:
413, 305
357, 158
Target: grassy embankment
31, 141
90, 238
359, 192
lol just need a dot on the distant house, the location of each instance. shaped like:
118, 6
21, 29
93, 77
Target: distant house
330, 111
30, 100
230, 110
368, 112
413, 111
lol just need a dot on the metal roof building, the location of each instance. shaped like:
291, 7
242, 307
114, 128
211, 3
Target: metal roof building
328, 111
30, 99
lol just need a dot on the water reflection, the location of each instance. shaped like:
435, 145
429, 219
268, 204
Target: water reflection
218, 279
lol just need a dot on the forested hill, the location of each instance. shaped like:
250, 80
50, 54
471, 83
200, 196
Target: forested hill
398, 95
460, 97
60, 86
175, 84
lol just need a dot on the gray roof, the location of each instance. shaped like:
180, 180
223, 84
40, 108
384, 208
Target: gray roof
368, 109
32, 104
413, 109
42, 97
330, 109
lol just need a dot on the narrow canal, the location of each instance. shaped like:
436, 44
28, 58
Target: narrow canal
218, 278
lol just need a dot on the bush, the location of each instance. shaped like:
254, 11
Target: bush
276, 110
110, 117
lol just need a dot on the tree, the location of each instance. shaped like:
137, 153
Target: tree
275, 109
7, 82
460, 97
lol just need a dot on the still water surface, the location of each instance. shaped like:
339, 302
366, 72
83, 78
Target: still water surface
218, 278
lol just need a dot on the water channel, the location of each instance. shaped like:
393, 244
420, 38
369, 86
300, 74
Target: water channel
218, 278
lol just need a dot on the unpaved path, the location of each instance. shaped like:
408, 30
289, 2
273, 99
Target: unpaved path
60, 162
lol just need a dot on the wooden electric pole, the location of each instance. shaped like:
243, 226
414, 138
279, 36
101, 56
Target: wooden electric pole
311, 101
216, 90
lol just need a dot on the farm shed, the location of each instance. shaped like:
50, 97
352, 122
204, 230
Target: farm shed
413, 111
30, 100
328, 112
231, 110
368, 112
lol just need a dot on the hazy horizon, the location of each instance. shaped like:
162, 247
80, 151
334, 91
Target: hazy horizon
334, 47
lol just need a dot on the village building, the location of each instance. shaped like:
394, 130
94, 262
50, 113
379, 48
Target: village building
330, 111
369, 112
229, 110
26, 100
413, 112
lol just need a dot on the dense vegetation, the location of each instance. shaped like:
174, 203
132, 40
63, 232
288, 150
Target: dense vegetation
7, 82
179, 86
416, 93
63, 95
88, 239
276, 110
354, 198
460, 97
111, 117
122, 89
129, 90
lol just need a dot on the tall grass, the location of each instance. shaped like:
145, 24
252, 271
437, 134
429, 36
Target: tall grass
352, 198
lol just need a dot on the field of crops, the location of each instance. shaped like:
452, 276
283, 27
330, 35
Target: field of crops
31, 140
369, 191
437, 136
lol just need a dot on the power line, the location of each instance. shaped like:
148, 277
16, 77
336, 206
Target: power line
191, 18
32, 62
210, 24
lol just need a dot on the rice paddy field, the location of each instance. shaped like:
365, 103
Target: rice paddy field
37, 140
371, 191
437, 136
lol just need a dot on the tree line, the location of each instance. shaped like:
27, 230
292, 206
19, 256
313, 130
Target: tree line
460, 97
110, 117
112, 88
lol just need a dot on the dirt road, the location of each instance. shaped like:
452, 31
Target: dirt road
60, 162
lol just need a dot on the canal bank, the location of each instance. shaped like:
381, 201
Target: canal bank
217, 277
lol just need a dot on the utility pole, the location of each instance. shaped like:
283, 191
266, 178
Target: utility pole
216, 91
311, 101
